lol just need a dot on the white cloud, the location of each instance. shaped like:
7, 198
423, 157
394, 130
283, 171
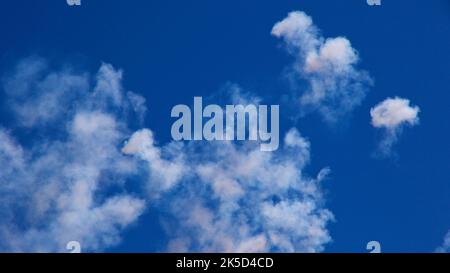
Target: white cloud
391, 115
229, 197
335, 85
393, 112
215, 196
53, 186
266, 204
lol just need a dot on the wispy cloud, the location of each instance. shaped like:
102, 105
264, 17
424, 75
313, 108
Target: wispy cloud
445, 247
392, 115
69, 177
53, 186
335, 86
237, 198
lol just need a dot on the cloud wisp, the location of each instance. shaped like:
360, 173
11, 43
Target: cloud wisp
328, 66
392, 115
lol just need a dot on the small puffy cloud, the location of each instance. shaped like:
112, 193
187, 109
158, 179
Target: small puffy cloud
335, 86
391, 115
393, 112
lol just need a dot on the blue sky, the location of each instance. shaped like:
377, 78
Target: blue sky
171, 51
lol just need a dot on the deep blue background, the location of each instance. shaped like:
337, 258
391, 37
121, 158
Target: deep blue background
173, 50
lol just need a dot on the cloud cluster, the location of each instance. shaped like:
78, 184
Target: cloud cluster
67, 161
54, 186
335, 86
226, 197
239, 199
392, 115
